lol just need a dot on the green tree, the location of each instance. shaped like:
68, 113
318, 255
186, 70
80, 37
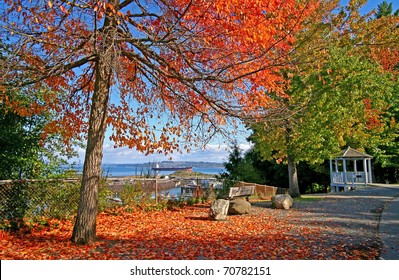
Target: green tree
386, 155
249, 166
386, 52
19, 145
342, 103
234, 161
241, 166
27, 150
340, 96
385, 9
24, 152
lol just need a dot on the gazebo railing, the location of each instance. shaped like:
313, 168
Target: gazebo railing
348, 178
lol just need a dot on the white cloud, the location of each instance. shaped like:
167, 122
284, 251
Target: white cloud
124, 155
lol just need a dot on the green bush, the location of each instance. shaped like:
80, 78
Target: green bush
175, 203
104, 197
316, 188
227, 184
133, 194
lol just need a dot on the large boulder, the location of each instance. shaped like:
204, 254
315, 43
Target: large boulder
219, 209
239, 207
282, 201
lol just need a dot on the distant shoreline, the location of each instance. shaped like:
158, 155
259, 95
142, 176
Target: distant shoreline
145, 170
210, 164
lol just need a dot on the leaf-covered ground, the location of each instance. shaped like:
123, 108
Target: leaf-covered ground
316, 229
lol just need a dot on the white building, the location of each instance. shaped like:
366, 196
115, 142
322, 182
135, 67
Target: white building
351, 169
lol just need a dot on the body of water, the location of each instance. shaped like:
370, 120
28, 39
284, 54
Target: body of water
122, 170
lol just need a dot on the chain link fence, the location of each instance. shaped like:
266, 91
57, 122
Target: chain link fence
37, 198
58, 198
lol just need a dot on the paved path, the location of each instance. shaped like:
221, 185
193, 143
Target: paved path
364, 219
389, 227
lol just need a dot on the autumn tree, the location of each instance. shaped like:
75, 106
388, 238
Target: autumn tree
340, 97
327, 111
386, 164
128, 63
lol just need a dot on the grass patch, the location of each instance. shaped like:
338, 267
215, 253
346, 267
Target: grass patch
191, 174
308, 198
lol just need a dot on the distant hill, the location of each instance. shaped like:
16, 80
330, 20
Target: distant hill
194, 164
165, 164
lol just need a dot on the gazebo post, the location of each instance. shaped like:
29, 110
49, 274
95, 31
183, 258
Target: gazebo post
344, 161
333, 187
370, 173
365, 167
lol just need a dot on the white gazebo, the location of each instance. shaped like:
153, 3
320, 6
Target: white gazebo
351, 169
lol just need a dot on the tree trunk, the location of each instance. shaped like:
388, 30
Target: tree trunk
84, 230
293, 178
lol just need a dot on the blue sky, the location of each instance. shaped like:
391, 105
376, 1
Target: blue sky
372, 4
214, 152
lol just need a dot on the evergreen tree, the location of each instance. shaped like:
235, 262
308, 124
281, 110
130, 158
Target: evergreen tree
385, 9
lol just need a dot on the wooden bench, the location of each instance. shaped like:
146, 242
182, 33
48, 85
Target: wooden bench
246, 191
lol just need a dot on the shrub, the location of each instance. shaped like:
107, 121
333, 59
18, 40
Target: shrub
133, 194
104, 197
316, 188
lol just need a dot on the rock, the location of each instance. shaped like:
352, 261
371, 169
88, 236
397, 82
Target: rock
219, 209
239, 207
282, 201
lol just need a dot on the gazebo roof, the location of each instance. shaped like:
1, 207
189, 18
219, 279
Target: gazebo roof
352, 153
